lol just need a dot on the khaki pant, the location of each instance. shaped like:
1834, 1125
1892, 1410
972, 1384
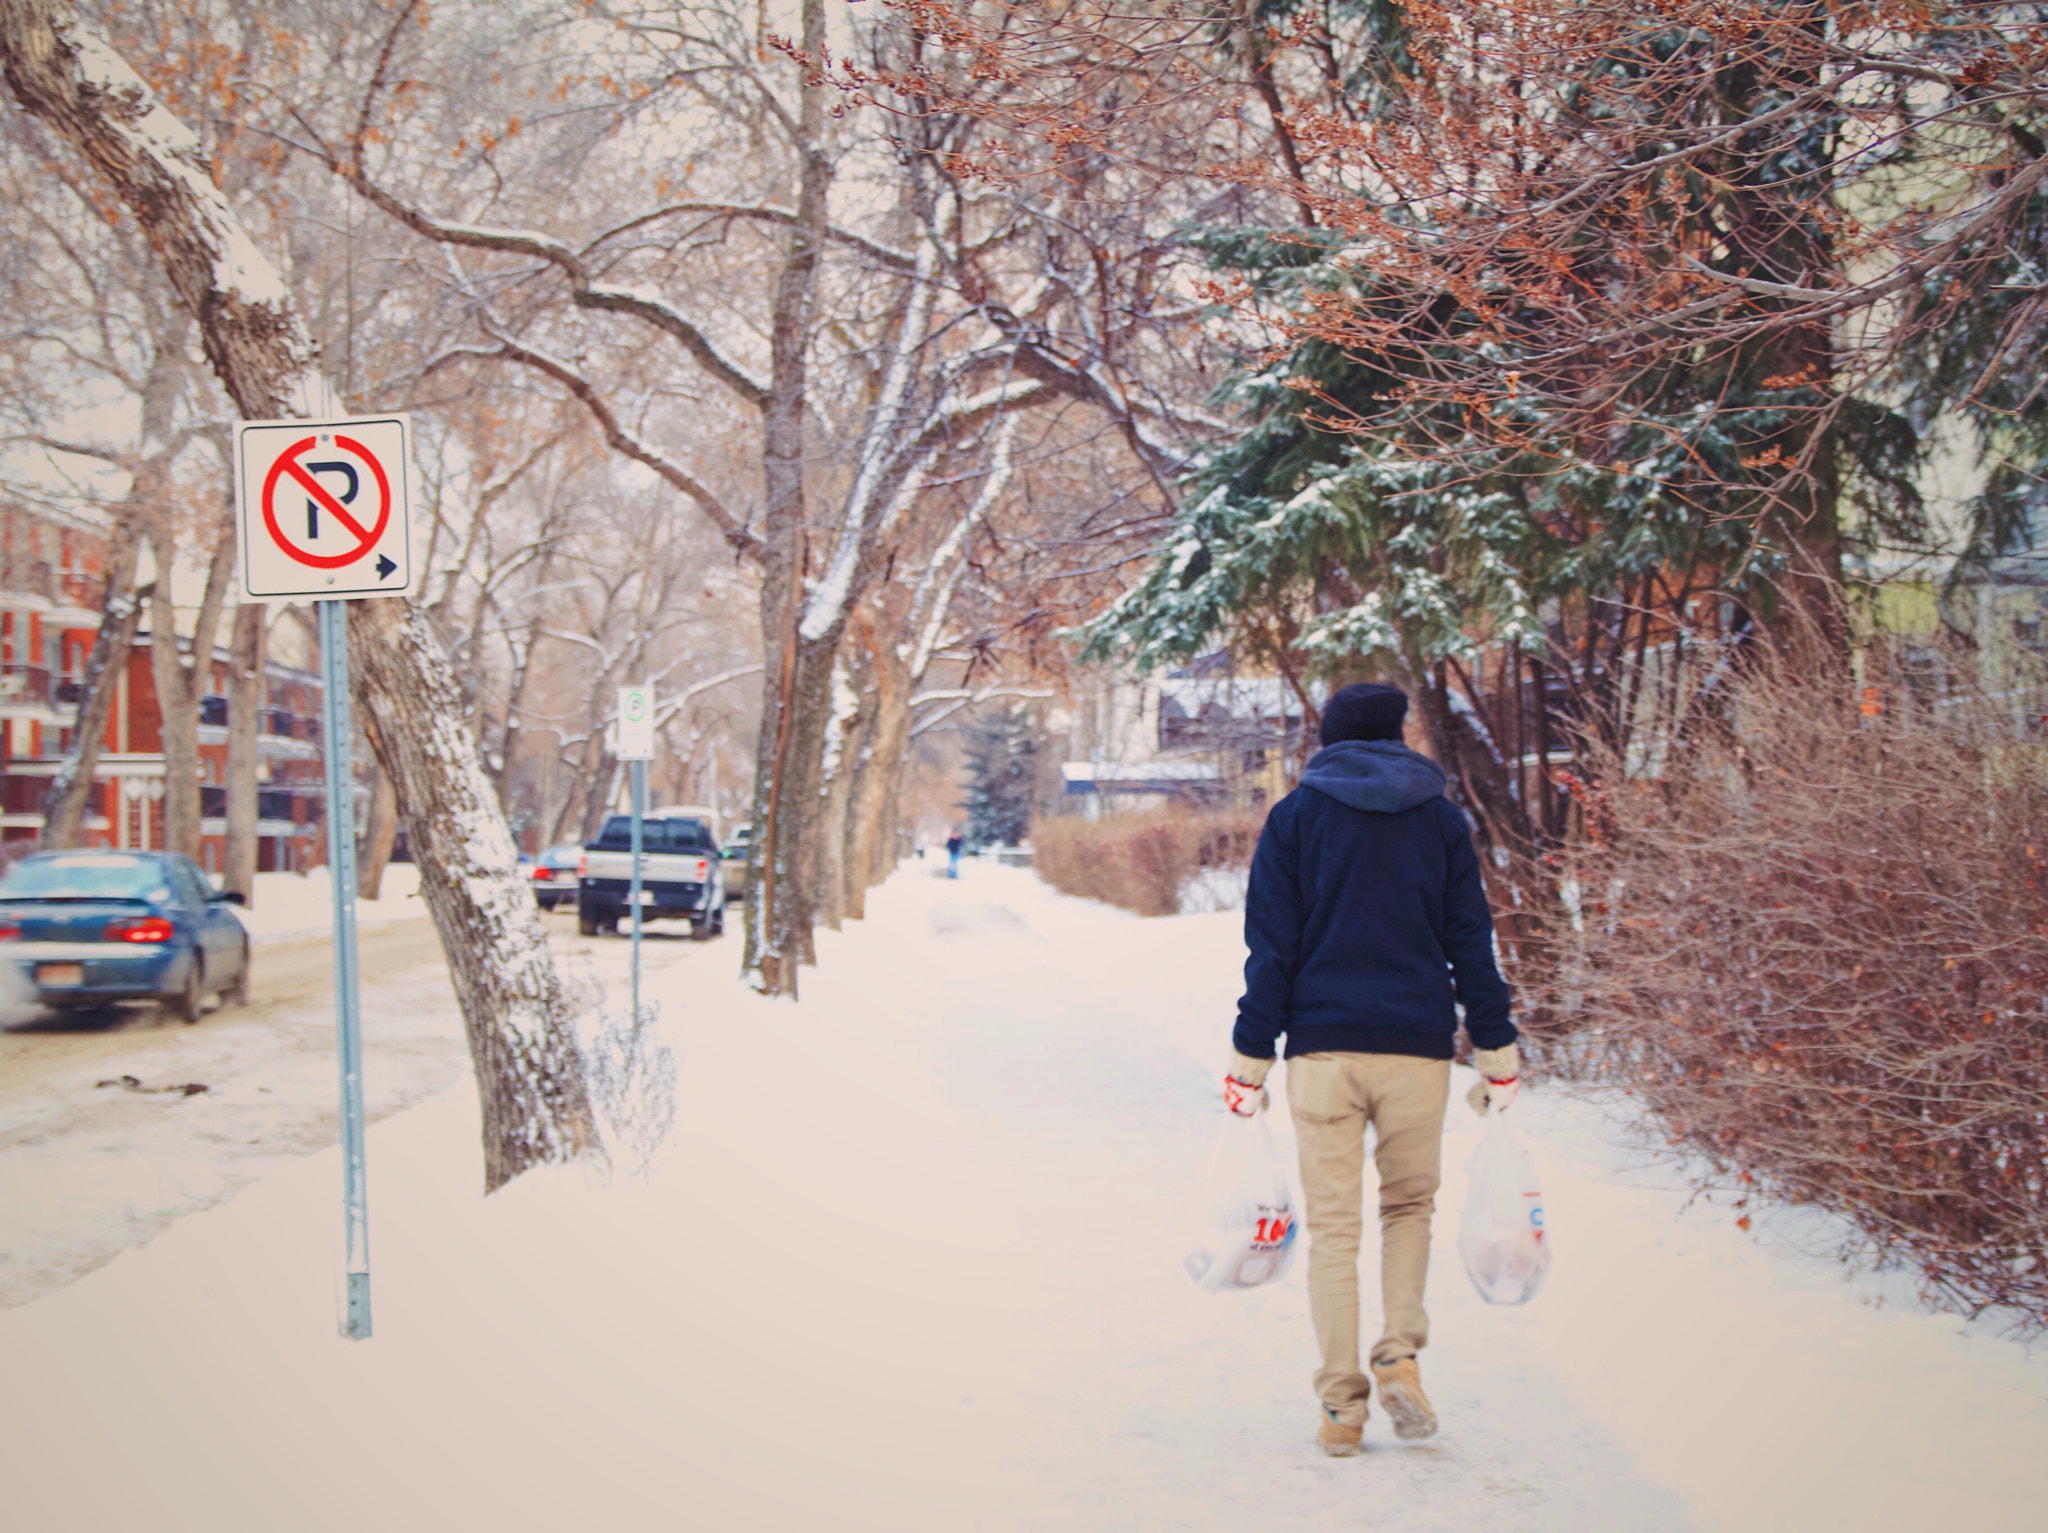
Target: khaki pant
1333, 1097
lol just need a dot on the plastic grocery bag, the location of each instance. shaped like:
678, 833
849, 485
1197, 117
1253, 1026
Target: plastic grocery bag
1250, 1226
1501, 1240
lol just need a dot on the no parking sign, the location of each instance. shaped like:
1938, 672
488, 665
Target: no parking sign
323, 511
322, 508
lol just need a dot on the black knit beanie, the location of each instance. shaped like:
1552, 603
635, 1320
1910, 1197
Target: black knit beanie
1366, 711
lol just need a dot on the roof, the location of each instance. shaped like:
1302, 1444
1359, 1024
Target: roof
1156, 773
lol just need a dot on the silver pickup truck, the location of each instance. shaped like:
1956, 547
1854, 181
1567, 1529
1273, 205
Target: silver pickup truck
680, 876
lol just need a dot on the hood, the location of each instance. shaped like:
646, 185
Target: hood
1378, 776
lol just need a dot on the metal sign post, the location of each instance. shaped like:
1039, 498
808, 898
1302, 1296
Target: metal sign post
323, 512
639, 775
341, 868
636, 745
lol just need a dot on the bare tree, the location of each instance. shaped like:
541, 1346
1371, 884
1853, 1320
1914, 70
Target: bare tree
183, 680
89, 321
848, 355
530, 1078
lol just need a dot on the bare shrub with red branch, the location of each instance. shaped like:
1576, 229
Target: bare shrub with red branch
1817, 949
1143, 862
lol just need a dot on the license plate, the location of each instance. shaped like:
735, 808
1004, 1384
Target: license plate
58, 975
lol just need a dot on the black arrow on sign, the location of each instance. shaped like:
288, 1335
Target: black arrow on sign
385, 565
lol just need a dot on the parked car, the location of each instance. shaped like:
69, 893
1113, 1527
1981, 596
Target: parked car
680, 873
87, 928
554, 874
734, 856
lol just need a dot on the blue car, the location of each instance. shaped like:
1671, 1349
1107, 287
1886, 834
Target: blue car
89, 928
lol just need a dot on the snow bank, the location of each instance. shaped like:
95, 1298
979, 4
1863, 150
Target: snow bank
911, 1262
290, 906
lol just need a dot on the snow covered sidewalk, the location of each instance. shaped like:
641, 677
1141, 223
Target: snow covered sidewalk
293, 905
912, 1262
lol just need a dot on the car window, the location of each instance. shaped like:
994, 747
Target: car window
190, 883
86, 875
666, 835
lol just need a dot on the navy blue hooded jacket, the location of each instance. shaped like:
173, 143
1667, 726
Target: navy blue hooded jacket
1366, 918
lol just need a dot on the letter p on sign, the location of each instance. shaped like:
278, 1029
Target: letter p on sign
636, 724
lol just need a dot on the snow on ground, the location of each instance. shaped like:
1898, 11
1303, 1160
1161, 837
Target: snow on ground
912, 1262
87, 1171
293, 905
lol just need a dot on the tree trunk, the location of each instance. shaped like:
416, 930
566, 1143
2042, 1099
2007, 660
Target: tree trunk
780, 910
515, 705
846, 741
871, 818
1779, 236
1480, 778
529, 1076
600, 795
121, 614
249, 649
180, 684
121, 609
798, 684
380, 835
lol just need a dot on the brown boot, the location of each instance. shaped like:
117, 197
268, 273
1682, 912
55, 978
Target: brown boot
1402, 1398
1335, 1438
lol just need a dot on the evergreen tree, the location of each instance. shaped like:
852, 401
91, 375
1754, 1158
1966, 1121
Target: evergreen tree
1505, 423
1002, 763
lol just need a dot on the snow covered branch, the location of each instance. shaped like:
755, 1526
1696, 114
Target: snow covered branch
761, 212
585, 291
61, 71
965, 698
629, 444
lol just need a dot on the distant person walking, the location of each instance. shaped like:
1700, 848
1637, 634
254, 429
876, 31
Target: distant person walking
954, 844
1368, 928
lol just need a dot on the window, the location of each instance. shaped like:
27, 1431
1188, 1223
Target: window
186, 879
85, 875
664, 835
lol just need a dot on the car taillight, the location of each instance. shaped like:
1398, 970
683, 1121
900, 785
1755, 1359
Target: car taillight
543, 873
703, 870
10, 931
140, 929
583, 867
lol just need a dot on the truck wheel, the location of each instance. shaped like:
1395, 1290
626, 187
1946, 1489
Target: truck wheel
701, 929
586, 923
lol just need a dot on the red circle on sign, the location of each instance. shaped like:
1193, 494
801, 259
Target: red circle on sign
287, 463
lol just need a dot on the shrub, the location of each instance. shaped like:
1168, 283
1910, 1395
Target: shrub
1143, 862
1815, 947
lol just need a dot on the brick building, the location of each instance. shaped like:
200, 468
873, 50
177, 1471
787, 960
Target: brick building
51, 567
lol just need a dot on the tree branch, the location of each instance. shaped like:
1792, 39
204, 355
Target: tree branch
625, 442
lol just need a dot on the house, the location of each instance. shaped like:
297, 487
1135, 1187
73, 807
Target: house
51, 569
1198, 735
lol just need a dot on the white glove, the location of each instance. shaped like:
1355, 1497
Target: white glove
1500, 1078
1244, 1088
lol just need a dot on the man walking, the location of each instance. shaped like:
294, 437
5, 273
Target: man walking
1368, 928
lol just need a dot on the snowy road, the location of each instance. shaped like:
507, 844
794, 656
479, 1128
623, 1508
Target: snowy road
86, 1172
912, 1263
